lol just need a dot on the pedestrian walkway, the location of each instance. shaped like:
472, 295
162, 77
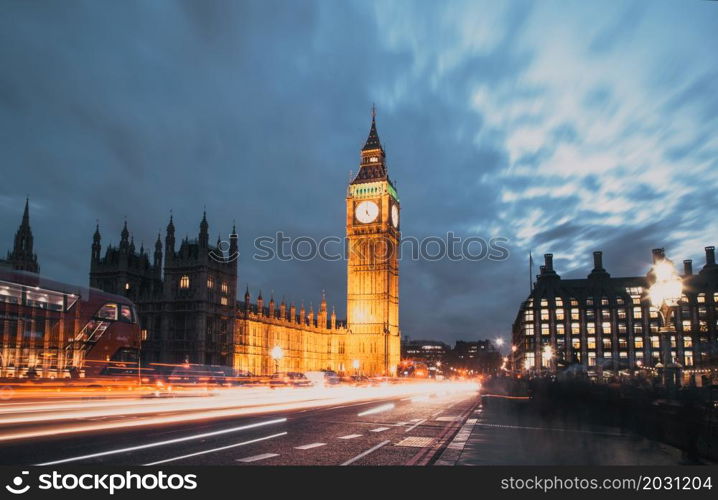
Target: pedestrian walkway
502, 434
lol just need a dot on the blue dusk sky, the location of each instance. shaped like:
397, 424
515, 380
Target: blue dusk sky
566, 127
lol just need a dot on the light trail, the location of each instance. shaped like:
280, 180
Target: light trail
378, 409
44, 419
165, 443
204, 452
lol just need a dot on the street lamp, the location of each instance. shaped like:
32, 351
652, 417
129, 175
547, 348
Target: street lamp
665, 294
499, 342
548, 354
277, 354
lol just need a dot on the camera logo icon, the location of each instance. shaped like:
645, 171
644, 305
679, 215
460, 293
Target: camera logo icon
16, 488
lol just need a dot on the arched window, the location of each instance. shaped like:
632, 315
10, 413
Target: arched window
184, 282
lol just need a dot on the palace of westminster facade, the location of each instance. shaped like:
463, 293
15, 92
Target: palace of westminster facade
186, 295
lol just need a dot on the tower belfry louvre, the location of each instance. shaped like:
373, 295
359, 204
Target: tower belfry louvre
189, 311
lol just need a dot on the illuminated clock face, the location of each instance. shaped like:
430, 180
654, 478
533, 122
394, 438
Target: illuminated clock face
367, 211
395, 215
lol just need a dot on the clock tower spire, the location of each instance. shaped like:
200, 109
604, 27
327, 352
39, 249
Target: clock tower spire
373, 237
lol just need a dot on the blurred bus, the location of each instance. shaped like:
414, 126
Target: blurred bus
52, 330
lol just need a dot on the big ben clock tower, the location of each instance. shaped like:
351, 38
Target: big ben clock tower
373, 239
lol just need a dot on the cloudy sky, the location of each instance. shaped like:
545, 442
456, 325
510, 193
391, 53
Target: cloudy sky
565, 127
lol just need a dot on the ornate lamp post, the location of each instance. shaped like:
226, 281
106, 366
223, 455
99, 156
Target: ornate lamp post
277, 354
665, 294
548, 354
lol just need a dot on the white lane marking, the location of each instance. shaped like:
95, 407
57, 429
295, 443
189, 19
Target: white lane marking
378, 409
350, 436
362, 455
448, 418
169, 441
204, 452
380, 429
415, 425
257, 458
415, 420
400, 424
309, 446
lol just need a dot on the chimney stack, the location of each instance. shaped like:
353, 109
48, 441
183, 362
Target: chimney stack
548, 258
688, 267
598, 260
658, 254
710, 256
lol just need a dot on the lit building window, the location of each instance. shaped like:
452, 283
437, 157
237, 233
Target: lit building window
607, 344
622, 343
225, 287
687, 342
655, 342
621, 313
701, 298
127, 286
544, 314
591, 327
591, 342
637, 328
576, 343
559, 314
688, 357
529, 329
636, 300
560, 329
574, 302
184, 282
544, 303
575, 328
604, 301
620, 301
210, 282
622, 328
559, 302
224, 301
529, 315
653, 312
589, 301
591, 359
544, 329
638, 342
606, 327
637, 312
686, 325
574, 313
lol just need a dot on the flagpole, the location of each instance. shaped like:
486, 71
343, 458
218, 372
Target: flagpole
531, 272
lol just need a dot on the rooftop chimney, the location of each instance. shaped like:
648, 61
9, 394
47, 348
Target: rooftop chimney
598, 261
688, 267
548, 258
658, 254
710, 256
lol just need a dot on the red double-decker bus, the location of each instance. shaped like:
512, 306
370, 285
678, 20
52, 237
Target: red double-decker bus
51, 330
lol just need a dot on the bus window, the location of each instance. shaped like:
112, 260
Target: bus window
126, 314
108, 312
